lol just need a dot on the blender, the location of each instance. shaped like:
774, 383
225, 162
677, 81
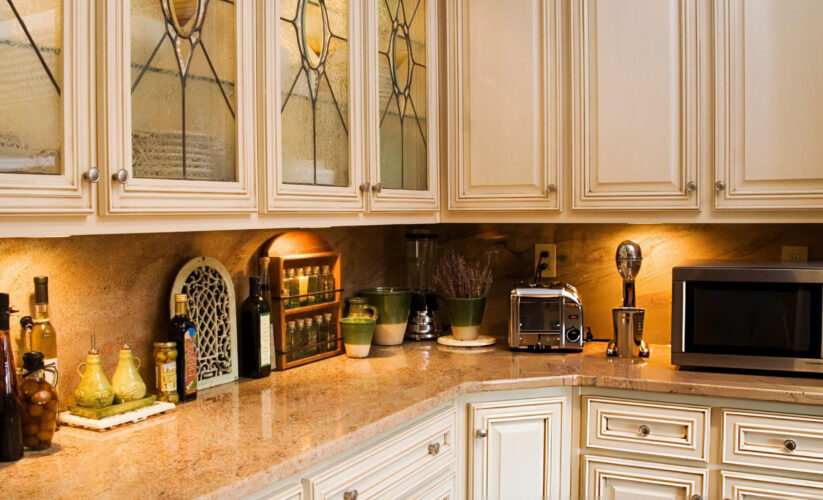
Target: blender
425, 321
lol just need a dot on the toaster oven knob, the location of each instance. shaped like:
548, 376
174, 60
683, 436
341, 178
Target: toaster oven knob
573, 335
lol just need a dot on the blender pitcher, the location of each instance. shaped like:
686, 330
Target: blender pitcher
425, 322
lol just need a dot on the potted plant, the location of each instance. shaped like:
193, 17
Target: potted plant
464, 287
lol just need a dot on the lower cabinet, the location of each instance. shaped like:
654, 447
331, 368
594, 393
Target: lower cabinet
516, 449
740, 486
618, 479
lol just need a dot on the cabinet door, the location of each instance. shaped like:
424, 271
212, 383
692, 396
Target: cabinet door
504, 67
739, 486
769, 104
635, 110
516, 451
46, 107
178, 105
312, 105
402, 94
615, 479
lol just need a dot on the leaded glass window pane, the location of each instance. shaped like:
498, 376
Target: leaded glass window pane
31, 75
401, 46
314, 55
183, 67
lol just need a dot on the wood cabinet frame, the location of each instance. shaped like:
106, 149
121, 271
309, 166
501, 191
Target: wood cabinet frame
67, 193
161, 196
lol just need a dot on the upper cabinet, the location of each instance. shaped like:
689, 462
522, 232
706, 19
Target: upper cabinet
769, 104
505, 99
402, 66
177, 123
635, 104
46, 107
347, 89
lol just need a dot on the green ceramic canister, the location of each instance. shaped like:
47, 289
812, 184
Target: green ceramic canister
357, 336
393, 306
466, 316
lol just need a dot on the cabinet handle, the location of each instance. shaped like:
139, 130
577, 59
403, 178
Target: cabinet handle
377, 187
644, 430
551, 188
481, 433
691, 186
719, 186
350, 495
790, 445
434, 448
121, 176
364, 187
696, 497
92, 175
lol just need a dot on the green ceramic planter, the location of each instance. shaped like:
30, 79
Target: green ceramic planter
466, 316
357, 336
393, 306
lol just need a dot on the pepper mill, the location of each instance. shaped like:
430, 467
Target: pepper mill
628, 320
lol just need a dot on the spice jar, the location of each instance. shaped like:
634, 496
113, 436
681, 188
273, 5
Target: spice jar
40, 405
165, 371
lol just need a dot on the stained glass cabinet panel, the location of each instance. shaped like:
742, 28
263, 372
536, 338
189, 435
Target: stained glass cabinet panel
178, 106
46, 107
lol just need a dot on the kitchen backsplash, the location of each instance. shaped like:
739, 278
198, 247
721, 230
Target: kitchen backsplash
117, 286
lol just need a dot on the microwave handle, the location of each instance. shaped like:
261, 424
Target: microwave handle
678, 334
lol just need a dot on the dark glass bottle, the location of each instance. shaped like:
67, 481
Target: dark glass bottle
183, 332
255, 333
11, 421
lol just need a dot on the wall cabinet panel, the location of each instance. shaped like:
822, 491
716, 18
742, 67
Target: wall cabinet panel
769, 104
635, 104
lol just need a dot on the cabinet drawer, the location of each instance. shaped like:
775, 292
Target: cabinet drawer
616, 479
641, 427
774, 441
737, 486
376, 472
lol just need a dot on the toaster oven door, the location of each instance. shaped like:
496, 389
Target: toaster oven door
540, 315
756, 320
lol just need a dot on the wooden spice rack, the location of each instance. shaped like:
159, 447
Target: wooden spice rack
300, 249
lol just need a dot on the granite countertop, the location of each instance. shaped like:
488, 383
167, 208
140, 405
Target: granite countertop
237, 438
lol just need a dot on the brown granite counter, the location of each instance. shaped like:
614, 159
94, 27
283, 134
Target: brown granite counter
238, 438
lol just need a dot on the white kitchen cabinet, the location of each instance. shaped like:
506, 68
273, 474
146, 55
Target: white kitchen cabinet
505, 97
293, 492
516, 449
635, 104
47, 107
618, 479
740, 486
768, 104
176, 95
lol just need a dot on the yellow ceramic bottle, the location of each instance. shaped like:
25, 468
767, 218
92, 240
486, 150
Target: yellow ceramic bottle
128, 386
94, 390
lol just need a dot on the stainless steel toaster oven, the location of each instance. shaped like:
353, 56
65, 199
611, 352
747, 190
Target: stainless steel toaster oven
545, 318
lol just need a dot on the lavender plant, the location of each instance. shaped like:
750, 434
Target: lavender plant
456, 278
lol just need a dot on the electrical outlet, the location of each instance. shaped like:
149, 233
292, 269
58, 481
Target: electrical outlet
551, 260
794, 254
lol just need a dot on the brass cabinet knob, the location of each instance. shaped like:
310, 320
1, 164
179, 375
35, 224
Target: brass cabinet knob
481, 433
377, 187
364, 187
790, 445
350, 495
434, 448
552, 188
644, 430
696, 497
691, 186
121, 176
719, 186
92, 175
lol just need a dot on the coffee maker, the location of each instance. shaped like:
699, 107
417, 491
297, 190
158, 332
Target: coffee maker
425, 320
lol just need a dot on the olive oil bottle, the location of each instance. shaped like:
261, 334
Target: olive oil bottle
11, 418
183, 332
255, 333
43, 334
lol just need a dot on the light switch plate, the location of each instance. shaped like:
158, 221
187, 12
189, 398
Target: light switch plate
794, 254
551, 260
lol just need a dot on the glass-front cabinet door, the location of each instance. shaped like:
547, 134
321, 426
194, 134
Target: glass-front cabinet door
402, 59
311, 105
46, 107
178, 105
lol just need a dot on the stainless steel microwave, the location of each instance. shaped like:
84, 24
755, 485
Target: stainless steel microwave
750, 316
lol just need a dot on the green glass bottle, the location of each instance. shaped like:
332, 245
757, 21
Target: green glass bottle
255, 333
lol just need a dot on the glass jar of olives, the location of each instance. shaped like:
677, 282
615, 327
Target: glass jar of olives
39, 402
165, 371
